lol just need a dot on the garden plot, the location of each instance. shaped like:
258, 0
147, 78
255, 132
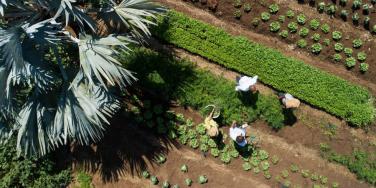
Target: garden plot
314, 34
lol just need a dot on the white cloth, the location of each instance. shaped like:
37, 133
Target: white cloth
235, 132
245, 82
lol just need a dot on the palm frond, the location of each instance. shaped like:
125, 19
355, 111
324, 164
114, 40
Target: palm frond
82, 113
5, 133
136, 15
98, 60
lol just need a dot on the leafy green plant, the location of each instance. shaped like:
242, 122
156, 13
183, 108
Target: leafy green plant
357, 43
200, 129
184, 168
183, 139
316, 37
273, 8
326, 42
285, 173
84, 180
161, 159
301, 19
247, 7
303, 32
331, 9
287, 183
256, 170
284, 33
344, 14
357, 110
338, 47
321, 7
314, 24
364, 67
176, 186
302, 43
275, 26
225, 157
265, 165
165, 184
214, 152
323, 180
267, 175
343, 2
265, 16
154, 180
188, 182
336, 35
237, 14
255, 22
350, 62
335, 185
202, 179
234, 153
145, 174
290, 14
366, 22
348, 52
247, 166
194, 143
337, 57
263, 155
275, 159
362, 56
294, 168
314, 177
238, 3
305, 173
212, 143
365, 9
355, 18
316, 48
293, 27
192, 134
325, 28
204, 139
357, 4
282, 18
255, 161
374, 29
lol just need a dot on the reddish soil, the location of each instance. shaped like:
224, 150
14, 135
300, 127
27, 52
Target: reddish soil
323, 61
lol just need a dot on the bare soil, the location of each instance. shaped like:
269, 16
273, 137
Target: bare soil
223, 18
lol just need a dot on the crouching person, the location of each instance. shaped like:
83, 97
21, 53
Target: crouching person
288, 101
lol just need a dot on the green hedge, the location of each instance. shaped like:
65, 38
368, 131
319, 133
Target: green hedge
179, 80
335, 95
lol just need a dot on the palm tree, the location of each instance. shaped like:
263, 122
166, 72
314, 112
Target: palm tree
58, 65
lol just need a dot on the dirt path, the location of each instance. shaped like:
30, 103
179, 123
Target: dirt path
236, 29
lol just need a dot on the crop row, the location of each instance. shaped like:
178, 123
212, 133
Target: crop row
335, 95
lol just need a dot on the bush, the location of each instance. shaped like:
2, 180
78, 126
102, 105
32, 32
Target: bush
29, 172
303, 32
247, 7
350, 62
336, 35
301, 19
302, 43
350, 102
265, 16
314, 24
337, 57
316, 37
293, 27
363, 67
281, 18
273, 8
316, 48
348, 52
325, 28
274, 27
237, 14
357, 43
321, 7
284, 34
338, 47
290, 14
362, 56
255, 22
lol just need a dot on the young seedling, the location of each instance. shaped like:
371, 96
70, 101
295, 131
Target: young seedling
188, 182
285, 174
145, 174
202, 179
165, 184
154, 180
294, 168
275, 159
184, 168
247, 166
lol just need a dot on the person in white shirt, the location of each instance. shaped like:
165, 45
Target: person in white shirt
289, 101
238, 134
245, 84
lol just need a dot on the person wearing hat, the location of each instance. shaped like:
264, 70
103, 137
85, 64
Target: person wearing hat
211, 126
238, 134
246, 84
289, 101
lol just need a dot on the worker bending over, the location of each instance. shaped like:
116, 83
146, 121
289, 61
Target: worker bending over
289, 101
245, 84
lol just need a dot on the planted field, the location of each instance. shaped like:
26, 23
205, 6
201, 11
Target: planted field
348, 101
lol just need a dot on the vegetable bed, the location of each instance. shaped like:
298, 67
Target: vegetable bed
337, 96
